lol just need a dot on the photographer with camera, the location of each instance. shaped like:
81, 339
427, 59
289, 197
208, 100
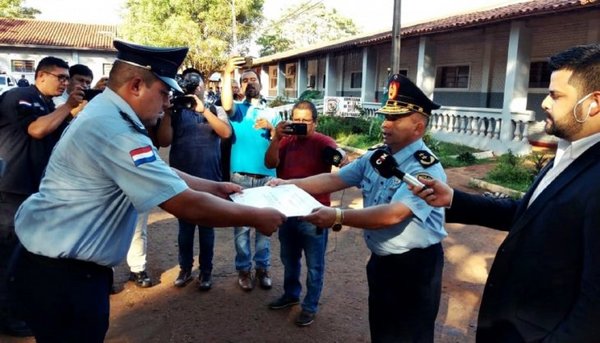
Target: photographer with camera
80, 80
194, 130
298, 151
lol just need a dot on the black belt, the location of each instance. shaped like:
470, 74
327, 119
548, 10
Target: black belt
255, 176
64, 263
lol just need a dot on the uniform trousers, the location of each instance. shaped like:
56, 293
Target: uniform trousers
72, 304
404, 294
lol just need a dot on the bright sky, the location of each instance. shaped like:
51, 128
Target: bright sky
371, 15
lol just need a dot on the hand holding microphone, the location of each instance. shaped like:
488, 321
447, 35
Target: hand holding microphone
386, 166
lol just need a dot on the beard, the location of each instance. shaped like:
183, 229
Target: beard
565, 128
252, 92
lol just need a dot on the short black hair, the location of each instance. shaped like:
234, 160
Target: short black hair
584, 62
306, 105
192, 70
80, 69
47, 63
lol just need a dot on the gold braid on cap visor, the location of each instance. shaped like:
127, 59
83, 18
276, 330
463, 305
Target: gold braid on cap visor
401, 107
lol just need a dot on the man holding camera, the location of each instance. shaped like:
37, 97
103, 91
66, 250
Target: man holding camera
403, 233
30, 126
253, 125
80, 80
194, 131
297, 151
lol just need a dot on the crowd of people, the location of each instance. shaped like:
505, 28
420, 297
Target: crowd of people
82, 171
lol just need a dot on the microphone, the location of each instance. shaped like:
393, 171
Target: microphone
386, 166
333, 156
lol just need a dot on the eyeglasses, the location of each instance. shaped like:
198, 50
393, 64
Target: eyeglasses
305, 121
61, 78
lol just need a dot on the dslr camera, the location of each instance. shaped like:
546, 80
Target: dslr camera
188, 85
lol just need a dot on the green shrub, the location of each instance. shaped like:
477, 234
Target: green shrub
279, 101
539, 160
511, 172
311, 95
466, 157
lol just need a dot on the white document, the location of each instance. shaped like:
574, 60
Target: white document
289, 199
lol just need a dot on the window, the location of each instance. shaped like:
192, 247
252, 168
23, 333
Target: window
312, 81
273, 78
539, 75
22, 66
356, 80
290, 76
403, 72
290, 83
106, 67
452, 77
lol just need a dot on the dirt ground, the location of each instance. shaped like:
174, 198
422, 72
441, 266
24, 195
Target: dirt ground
164, 313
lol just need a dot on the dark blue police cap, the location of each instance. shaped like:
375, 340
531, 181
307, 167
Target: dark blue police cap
404, 97
162, 62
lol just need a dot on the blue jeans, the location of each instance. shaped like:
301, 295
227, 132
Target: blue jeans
262, 244
206, 239
295, 236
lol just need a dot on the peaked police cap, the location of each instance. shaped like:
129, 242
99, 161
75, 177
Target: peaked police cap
162, 62
404, 97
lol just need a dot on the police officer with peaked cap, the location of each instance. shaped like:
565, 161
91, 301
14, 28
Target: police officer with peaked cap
403, 232
102, 172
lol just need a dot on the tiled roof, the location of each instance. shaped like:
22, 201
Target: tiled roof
510, 12
35, 33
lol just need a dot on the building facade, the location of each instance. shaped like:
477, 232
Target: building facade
24, 42
488, 69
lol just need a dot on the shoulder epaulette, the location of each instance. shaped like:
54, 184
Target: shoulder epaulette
425, 158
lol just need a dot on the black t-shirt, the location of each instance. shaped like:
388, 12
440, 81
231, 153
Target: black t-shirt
23, 83
25, 157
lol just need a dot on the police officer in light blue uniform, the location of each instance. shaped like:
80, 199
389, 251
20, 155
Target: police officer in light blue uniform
102, 172
403, 233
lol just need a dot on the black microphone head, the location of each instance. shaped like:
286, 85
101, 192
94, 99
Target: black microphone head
332, 156
384, 163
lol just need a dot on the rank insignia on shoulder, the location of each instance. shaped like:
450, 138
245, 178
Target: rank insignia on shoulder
425, 158
377, 146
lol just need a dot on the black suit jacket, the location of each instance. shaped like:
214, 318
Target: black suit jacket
544, 284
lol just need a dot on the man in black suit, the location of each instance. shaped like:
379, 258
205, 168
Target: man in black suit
544, 284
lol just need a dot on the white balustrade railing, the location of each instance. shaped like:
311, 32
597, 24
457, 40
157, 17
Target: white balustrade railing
477, 127
482, 128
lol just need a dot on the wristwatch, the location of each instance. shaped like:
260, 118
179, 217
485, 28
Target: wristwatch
339, 218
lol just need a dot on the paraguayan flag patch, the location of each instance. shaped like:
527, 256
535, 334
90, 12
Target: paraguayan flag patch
142, 155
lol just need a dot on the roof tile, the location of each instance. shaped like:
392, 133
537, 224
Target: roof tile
30, 32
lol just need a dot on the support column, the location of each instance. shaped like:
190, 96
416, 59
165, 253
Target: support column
301, 76
369, 74
330, 75
516, 84
426, 66
281, 79
264, 79
486, 71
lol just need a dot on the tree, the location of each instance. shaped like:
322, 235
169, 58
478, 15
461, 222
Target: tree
302, 25
202, 25
14, 9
